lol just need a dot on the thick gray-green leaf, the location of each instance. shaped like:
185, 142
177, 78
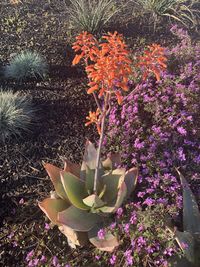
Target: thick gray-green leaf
51, 207
120, 198
187, 244
180, 262
78, 220
112, 180
131, 177
75, 189
191, 214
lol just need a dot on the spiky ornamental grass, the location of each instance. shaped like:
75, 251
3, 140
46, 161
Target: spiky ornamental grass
26, 65
91, 15
16, 114
178, 10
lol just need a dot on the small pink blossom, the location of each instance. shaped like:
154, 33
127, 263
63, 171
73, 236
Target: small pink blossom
21, 202
47, 226
101, 234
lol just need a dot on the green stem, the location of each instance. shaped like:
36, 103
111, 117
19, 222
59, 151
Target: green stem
99, 153
103, 118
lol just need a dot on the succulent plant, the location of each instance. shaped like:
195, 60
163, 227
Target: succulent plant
189, 239
78, 212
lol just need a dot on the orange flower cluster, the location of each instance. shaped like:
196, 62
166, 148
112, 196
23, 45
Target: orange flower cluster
153, 61
111, 66
85, 43
94, 118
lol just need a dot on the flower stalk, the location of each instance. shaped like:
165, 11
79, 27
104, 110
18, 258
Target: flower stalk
99, 153
108, 68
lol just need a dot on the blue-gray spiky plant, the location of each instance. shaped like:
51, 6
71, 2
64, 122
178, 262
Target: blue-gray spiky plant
16, 114
26, 65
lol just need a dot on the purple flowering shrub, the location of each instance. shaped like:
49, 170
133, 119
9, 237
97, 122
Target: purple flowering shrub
184, 53
143, 243
158, 129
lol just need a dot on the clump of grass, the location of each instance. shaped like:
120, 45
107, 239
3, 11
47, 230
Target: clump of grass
16, 114
178, 10
91, 15
26, 65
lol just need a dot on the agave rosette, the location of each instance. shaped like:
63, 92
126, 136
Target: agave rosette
78, 212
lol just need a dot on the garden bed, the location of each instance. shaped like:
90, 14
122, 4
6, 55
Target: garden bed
61, 106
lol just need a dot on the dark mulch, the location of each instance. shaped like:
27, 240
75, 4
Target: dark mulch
62, 105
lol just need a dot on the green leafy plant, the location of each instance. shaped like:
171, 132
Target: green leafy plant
178, 10
16, 114
78, 212
91, 15
26, 65
189, 239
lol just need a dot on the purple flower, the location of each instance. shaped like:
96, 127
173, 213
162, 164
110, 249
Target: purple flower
112, 226
129, 258
14, 243
141, 241
43, 259
141, 194
138, 144
113, 260
181, 154
184, 245
140, 228
169, 252
11, 235
182, 131
29, 256
55, 261
47, 226
150, 250
149, 201
101, 234
119, 212
35, 262
31, 264
126, 228
21, 202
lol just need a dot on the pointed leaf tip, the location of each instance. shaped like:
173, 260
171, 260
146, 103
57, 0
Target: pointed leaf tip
54, 174
72, 167
51, 207
131, 177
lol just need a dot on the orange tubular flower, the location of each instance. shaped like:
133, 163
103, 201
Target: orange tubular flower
153, 61
110, 65
94, 118
85, 43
